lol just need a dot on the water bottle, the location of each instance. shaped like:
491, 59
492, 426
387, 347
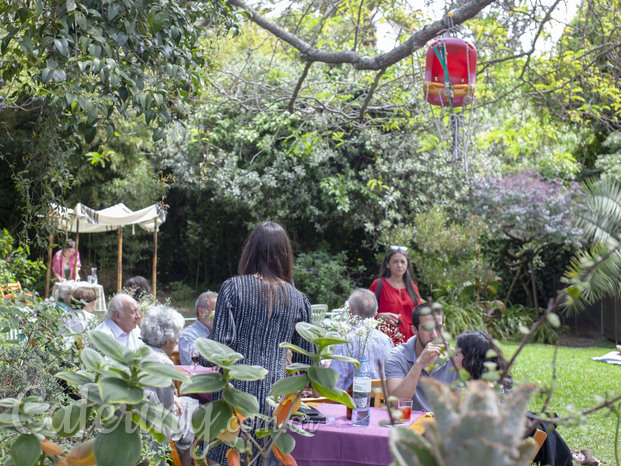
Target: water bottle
361, 415
94, 275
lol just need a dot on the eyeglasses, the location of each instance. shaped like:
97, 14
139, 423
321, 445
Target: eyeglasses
402, 249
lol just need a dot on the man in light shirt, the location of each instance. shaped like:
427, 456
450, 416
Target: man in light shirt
122, 319
375, 346
205, 305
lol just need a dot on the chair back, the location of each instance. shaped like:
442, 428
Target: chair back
377, 393
539, 437
319, 312
175, 358
9, 288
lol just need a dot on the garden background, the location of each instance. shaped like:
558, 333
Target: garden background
193, 106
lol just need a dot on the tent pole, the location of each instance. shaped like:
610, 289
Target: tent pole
77, 244
119, 262
48, 274
154, 257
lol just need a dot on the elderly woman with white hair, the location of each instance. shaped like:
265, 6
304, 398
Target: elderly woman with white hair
161, 328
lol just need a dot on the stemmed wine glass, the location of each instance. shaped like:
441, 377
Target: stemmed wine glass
194, 354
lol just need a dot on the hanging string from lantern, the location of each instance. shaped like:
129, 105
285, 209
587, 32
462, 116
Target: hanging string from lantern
460, 136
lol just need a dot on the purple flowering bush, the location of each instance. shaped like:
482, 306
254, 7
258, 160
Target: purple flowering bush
527, 208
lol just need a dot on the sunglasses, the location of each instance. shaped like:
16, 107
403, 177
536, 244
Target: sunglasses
402, 249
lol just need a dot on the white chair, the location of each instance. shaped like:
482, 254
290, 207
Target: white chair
318, 313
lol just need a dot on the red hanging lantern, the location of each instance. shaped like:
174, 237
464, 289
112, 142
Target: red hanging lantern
450, 72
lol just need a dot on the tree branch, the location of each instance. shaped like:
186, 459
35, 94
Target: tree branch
361, 62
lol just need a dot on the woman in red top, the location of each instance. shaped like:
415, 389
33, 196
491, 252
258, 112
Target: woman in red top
398, 294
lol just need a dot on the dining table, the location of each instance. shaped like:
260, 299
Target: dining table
338, 442
194, 370
100, 302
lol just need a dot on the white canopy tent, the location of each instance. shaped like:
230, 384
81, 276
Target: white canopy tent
83, 219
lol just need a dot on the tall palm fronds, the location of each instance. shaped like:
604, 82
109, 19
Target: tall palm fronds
596, 272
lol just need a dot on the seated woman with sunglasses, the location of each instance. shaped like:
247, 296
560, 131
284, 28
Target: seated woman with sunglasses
396, 292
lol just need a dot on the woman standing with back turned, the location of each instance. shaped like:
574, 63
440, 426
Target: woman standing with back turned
398, 294
258, 310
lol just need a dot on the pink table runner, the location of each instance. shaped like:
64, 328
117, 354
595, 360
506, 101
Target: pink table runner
337, 442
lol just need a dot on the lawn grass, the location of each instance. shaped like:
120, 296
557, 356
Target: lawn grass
579, 380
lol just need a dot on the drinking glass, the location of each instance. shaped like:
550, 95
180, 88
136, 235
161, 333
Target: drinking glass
194, 354
405, 406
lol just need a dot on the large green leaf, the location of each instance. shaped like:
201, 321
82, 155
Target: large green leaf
118, 445
204, 383
109, 346
26, 450
296, 367
77, 379
35, 408
335, 394
119, 391
324, 376
309, 331
245, 403
70, 419
91, 359
163, 370
340, 357
91, 392
156, 419
297, 349
329, 340
288, 385
13, 417
9, 402
211, 419
217, 353
285, 443
248, 373
155, 381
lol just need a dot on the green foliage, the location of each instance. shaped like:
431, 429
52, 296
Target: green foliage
458, 319
323, 277
448, 257
72, 69
596, 273
15, 264
478, 430
181, 292
223, 420
28, 371
96, 57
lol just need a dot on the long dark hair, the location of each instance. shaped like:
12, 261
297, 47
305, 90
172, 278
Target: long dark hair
268, 254
408, 276
138, 287
474, 346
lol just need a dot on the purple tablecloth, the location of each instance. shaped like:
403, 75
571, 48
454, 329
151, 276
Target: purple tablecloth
339, 443
199, 369
201, 397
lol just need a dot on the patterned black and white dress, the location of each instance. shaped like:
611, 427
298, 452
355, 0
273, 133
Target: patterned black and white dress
243, 323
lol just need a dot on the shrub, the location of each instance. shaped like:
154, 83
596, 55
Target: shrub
449, 259
458, 319
323, 277
28, 371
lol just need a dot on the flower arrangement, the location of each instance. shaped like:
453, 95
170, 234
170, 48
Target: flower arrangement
391, 331
357, 330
